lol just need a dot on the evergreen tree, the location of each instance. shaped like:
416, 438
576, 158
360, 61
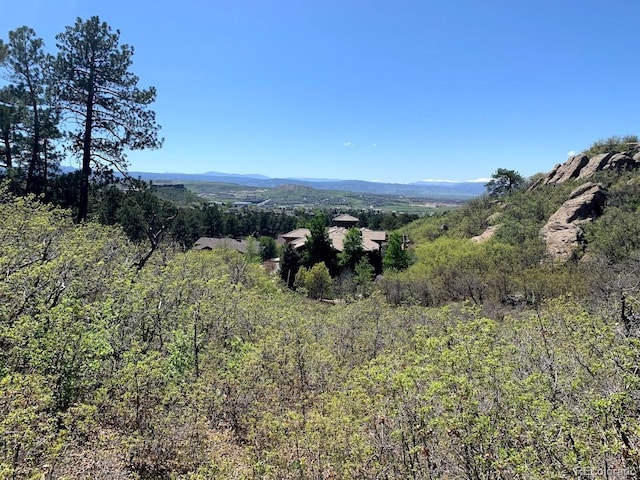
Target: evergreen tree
268, 248
289, 265
213, 222
10, 122
318, 246
186, 227
504, 182
110, 112
395, 257
27, 67
352, 250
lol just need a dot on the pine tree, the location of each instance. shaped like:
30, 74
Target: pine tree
395, 257
27, 67
289, 265
111, 113
352, 250
318, 246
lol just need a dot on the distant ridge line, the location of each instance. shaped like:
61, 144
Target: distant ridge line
449, 190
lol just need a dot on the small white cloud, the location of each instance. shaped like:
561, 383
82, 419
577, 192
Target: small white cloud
374, 145
348, 144
571, 153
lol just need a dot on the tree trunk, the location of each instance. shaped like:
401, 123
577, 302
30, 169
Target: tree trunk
7, 148
45, 172
32, 182
83, 207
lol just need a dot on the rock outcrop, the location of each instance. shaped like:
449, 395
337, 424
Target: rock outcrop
581, 166
621, 162
490, 230
486, 235
595, 164
563, 230
568, 170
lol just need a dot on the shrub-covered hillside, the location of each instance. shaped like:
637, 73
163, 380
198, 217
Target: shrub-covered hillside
126, 355
199, 365
492, 251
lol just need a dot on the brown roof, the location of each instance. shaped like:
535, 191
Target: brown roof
371, 239
337, 234
345, 218
374, 235
296, 234
298, 242
208, 243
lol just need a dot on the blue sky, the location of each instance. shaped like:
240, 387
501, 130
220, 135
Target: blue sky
385, 91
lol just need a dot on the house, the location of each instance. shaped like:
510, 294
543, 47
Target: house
345, 220
296, 238
372, 240
208, 243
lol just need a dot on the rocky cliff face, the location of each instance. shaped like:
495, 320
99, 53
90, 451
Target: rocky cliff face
563, 230
581, 166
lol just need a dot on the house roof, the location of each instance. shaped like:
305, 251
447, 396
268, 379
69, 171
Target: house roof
374, 235
371, 239
297, 233
337, 235
208, 243
343, 218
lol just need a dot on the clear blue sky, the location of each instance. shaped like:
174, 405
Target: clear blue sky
392, 91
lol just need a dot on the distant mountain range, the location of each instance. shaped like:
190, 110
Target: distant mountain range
421, 189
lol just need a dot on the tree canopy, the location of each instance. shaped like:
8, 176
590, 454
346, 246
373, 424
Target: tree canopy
352, 250
395, 256
503, 182
318, 247
29, 114
110, 113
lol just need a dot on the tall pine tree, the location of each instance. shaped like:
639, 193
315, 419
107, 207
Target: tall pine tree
27, 67
108, 110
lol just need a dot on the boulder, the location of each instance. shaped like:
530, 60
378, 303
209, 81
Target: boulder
566, 171
595, 164
563, 230
548, 178
492, 221
621, 162
486, 235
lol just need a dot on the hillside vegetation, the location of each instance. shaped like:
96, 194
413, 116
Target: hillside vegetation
200, 365
513, 264
477, 354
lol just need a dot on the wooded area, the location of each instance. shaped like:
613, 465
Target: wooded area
200, 365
